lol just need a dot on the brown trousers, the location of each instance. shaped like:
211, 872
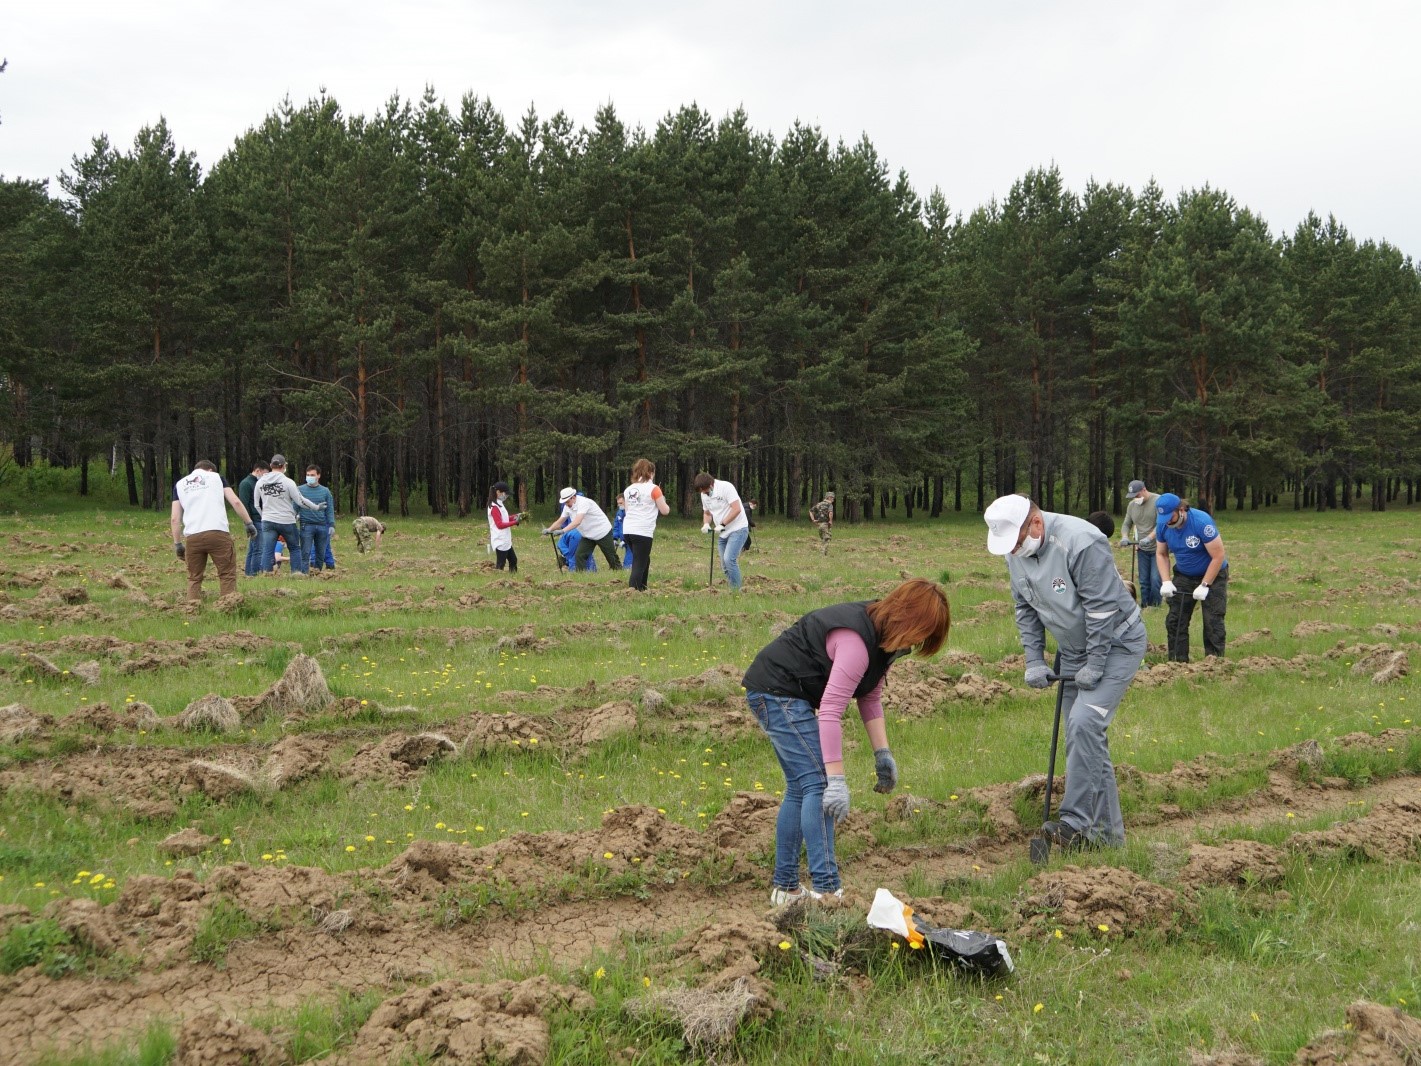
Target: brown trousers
218, 547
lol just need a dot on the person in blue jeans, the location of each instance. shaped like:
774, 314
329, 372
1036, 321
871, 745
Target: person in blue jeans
721, 506
278, 502
316, 525
798, 688
244, 492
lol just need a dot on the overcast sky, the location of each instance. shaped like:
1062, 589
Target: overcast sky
1288, 105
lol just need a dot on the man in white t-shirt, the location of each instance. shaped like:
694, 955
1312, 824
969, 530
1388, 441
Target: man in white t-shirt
582, 514
199, 526
720, 504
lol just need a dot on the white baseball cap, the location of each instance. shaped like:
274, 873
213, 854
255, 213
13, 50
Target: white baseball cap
566, 494
1004, 517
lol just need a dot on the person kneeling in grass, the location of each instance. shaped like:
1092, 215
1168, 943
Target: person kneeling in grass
798, 688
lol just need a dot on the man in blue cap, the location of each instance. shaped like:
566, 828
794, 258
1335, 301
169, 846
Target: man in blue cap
1201, 574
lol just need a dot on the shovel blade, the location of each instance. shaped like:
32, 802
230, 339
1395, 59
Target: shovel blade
1040, 851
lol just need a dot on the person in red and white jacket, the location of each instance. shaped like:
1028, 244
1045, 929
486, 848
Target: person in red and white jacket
500, 527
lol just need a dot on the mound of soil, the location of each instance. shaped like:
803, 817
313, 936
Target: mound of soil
1313, 627
1375, 1036
459, 1022
210, 714
186, 842
1098, 901
301, 689
397, 757
488, 732
1235, 862
582, 729
141, 780
213, 1039
746, 823
219, 781
1390, 832
296, 758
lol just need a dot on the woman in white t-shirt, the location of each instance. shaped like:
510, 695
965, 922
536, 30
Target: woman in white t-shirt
645, 502
720, 504
500, 527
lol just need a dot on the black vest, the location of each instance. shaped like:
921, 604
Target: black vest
797, 665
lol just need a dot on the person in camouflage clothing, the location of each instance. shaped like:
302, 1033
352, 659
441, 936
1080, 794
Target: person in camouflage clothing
822, 515
367, 528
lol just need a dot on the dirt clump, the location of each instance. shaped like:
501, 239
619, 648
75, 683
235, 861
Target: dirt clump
746, 822
652, 701
1375, 1036
18, 722
979, 689
301, 689
213, 1039
88, 671
296, 758
488, 732
1251, 637
1389, 832
526, 639
185, 843
460, 1022
583, 729
210, 714
1313, 627
1235, 862
708, 1019
397, 757
39, 666
96, 716
218, 781
905, 808
1098, 901
87, 922
230, 603
1383, 662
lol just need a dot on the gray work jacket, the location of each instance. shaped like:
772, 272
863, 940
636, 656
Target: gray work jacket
1071, 587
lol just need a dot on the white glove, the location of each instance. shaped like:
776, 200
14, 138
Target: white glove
1201, 592
705, 527
1167, 590
719, 529
1124, 543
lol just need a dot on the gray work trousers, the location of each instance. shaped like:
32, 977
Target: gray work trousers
1091, 804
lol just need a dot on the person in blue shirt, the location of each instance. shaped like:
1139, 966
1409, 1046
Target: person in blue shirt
316, 525
1201, 574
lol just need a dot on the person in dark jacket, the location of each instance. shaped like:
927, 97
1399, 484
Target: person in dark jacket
244, 493
798, 688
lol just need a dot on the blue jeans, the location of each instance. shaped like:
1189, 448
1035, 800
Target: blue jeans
254, 552
315, 545
1148, 577
730, 546
793, 729
270, 530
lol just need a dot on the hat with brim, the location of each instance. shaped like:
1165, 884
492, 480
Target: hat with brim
566, 494
1004, 517
1136, 487
278, 460
1166, 505
500, 486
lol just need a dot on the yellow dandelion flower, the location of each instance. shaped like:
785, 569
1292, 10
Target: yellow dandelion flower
1254, 1015
350, 847
96, 879
1038, 1008
599, 973
893, 946
438, 825
82, 873
1103, 927
369, 839
646, 982
784, 945
1060, 935
606, 854
226, 842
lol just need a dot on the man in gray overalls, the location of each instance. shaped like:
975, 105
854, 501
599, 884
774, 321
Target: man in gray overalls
1063, 578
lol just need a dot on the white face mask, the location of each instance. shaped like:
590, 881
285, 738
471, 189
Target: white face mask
502, 496
1028, 548
311, 479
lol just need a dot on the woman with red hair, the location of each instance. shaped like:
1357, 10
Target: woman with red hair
798, 688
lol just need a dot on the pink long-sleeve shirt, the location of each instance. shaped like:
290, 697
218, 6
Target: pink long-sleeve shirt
849, 654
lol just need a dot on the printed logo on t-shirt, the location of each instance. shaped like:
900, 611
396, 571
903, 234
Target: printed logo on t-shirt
1191, 541
1209, 531
1058, 584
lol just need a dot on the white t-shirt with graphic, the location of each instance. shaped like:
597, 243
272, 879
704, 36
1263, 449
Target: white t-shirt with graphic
642, 512
718, 502
595, 524
204, 503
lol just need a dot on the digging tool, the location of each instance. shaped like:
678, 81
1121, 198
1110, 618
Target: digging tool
1134, 589
1041, 845
710, 578
557, 555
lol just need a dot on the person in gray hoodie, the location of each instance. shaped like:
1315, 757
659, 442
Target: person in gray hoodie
279, 503
1063, 578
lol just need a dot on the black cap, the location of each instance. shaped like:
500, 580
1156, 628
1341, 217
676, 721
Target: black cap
500, 486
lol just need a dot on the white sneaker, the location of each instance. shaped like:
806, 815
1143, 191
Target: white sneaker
782, 897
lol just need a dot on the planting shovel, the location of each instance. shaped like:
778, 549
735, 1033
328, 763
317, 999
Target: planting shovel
557, 555
710, 577
1040, 844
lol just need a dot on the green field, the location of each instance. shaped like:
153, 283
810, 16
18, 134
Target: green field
424, 636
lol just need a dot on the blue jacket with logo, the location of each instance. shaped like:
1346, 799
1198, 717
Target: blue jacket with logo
1187, 542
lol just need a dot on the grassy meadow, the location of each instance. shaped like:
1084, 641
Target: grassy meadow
1259, 970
